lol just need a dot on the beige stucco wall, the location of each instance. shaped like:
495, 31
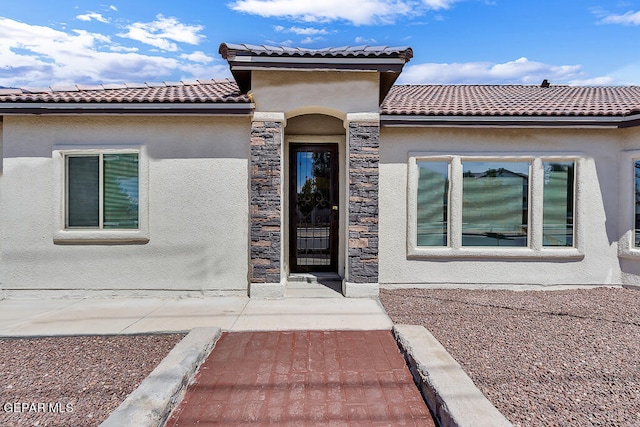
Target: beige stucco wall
599, 189
327, 92
198, 208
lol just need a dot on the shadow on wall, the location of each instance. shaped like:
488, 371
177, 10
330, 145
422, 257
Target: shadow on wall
164, 137
180, 266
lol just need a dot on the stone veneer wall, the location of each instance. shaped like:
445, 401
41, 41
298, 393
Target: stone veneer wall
364, 155
265, 210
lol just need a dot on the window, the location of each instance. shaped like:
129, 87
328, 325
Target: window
102, 191
433, 198
495, 209
629, 209
103, 195
492, 206
558, 203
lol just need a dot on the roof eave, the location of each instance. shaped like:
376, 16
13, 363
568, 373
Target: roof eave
365, 64
244, 59
397, 120
166, 108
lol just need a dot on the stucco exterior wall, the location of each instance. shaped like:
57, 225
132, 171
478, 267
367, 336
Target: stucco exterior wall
326, 92
198, 208
599, 187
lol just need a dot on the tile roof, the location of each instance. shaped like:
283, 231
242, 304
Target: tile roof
403, 100
337, 52
197, 91
511, 100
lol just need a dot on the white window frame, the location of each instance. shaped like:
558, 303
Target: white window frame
62, 234
626, 244
535, 248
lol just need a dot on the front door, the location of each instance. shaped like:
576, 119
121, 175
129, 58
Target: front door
313, 207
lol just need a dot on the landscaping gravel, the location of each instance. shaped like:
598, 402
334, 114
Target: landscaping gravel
74, 381
543, 358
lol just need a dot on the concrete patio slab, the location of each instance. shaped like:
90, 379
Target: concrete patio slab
85, 317
313, 314
147, 315
17, 312
185, 314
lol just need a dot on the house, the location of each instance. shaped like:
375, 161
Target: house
314, 161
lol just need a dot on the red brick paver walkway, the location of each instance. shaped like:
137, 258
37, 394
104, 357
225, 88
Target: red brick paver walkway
308, 378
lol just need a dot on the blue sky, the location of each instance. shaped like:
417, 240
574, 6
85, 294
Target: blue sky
578, 42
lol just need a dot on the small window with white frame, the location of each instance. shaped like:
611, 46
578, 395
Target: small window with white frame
474, 205
103, 195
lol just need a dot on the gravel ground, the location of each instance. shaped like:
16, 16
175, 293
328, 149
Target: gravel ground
73, 381
543, 358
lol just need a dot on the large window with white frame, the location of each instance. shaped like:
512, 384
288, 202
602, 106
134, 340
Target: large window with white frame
472, 205
103, 194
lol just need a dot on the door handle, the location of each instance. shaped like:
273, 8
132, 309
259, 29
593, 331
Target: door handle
335, 207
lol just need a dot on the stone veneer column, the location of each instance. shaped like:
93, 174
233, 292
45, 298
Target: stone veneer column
265, 266
363, 157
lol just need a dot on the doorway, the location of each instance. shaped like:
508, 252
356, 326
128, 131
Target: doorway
313, 208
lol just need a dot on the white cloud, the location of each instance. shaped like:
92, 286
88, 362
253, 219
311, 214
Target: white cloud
118, 48
92, 16
163, 32
308, 31
629, 18
199, 71
309, 40
628, 74
358, 12
279, 43
112, 7
520, 71
32, 55
596, 81
197, 56
364, 40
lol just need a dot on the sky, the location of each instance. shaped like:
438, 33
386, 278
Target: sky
576, 42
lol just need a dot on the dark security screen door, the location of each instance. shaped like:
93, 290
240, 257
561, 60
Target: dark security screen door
313, 207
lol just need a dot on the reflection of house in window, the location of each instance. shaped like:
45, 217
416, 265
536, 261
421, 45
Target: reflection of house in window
102, 197
558, 204
495, 207
432, 203
313, 207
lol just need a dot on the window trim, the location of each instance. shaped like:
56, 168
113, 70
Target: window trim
454, 249
63, 235
626, 244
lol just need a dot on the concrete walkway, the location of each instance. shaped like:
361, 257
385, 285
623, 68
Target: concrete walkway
39, 317
303, 378
324, 320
